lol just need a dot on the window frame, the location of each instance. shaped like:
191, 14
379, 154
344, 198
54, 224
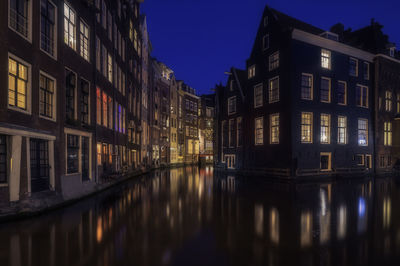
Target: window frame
251, 72
327, 57
311, 88
260, 85
66, 42
329, 91
274, 128
83, 38
233, 99
54, 104
329, 154
30, 22
274, 63
363, 104
270, 90
388, 101
360, 130
344, 128
345, 92
89, 99
303, 124
357, 71
326, 128
256, 140
55, 41
387, 133
239, 131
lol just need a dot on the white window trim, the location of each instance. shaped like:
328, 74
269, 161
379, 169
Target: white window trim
90, 98
330, 59
54, 118
28, 110
269, 61
330, 90
311, 128
362, 160
262, 95
229, 99
367, 103
346, 92
270, 128
76, 25
270, 90
80, 40
346, 133
251, 72
55, 33
29, 38
312, 86
329, 129
329, 154
70, 131
367, 129
352, 58
255, 131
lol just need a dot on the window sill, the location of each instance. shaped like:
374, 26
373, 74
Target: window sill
16, 109
28, 39
54, 57
48, 118
3, 185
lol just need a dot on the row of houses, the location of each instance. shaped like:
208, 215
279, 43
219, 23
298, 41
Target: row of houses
311, 101
85, 100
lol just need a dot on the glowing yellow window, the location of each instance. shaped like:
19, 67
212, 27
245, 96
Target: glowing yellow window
18, 83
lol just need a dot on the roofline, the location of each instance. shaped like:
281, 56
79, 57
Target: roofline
331, 45
388, 57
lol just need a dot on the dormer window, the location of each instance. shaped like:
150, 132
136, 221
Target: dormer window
330, 35
252, 71
325, 59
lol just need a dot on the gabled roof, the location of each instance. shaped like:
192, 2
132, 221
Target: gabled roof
240, 77
290, 22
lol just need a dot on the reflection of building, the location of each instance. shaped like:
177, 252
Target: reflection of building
206, 129
190, 108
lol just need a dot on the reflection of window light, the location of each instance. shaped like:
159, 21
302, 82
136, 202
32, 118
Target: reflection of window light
342, 222
387, 209
306, 229
258, 220
274, 225
361, 207
322, 195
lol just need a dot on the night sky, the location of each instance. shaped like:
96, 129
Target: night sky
201, 39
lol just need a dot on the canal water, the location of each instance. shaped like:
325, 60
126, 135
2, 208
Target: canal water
191, 216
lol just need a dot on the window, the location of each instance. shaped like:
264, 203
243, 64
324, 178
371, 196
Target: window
85, 96
85, 40
325, 129
47, 26
366, 70
387, 132
239, 132
325, 59
3, 160
382, 161
274, 128
109, 68
258, 95
265, 21
72, 154
232, 105
17, 84
398, 103
391, 51
325, 90
69, 27
326, 161
362, 132
110, 113
353, 67
274, 90
306, 127
259, 131
19, 20
388, 101
98, 106
252, 71
342, 130
231, 132
231, 85
342, 93
46, 96
306, 86
274, 61
230, 161
70, 92
360, 159
362, 96
265, 42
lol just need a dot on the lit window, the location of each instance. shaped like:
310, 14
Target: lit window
232, 105
326, 161
387, 130
325, 90
252, 71
325, 129
259, 131
325, 59
265, 42
46, 96
306, 127
105, 109
258, 95
353, 67
274, 61
17, 84
362, 132
274, 90
84, 40
366, 71
98, 54
274, 128
342, 93
47, 27
362, 96
19, 16
69, 27
342, 130
388, 101
306, 86
231, 132
398, 103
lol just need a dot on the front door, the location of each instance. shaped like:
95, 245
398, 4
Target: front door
40, 169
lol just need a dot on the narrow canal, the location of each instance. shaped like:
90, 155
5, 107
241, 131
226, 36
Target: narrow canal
190, 216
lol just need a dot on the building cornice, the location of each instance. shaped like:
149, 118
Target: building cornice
331, 45
388, 58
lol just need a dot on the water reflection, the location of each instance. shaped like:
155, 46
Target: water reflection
189, 216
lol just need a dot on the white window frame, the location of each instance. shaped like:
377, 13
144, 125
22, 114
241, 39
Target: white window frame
312, 86
29, 37
328, 129
273, 64
328, 57
251, 72
262, 130
272, 127
270, 90
311, 127
231, 112
82, 22
66, 42
54, 56
344, 130
54, 118
356, 60
28, 110
255, 94
330, 90
329, 154
358, 131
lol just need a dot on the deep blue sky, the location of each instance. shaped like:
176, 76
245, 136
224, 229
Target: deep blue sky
200, 39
